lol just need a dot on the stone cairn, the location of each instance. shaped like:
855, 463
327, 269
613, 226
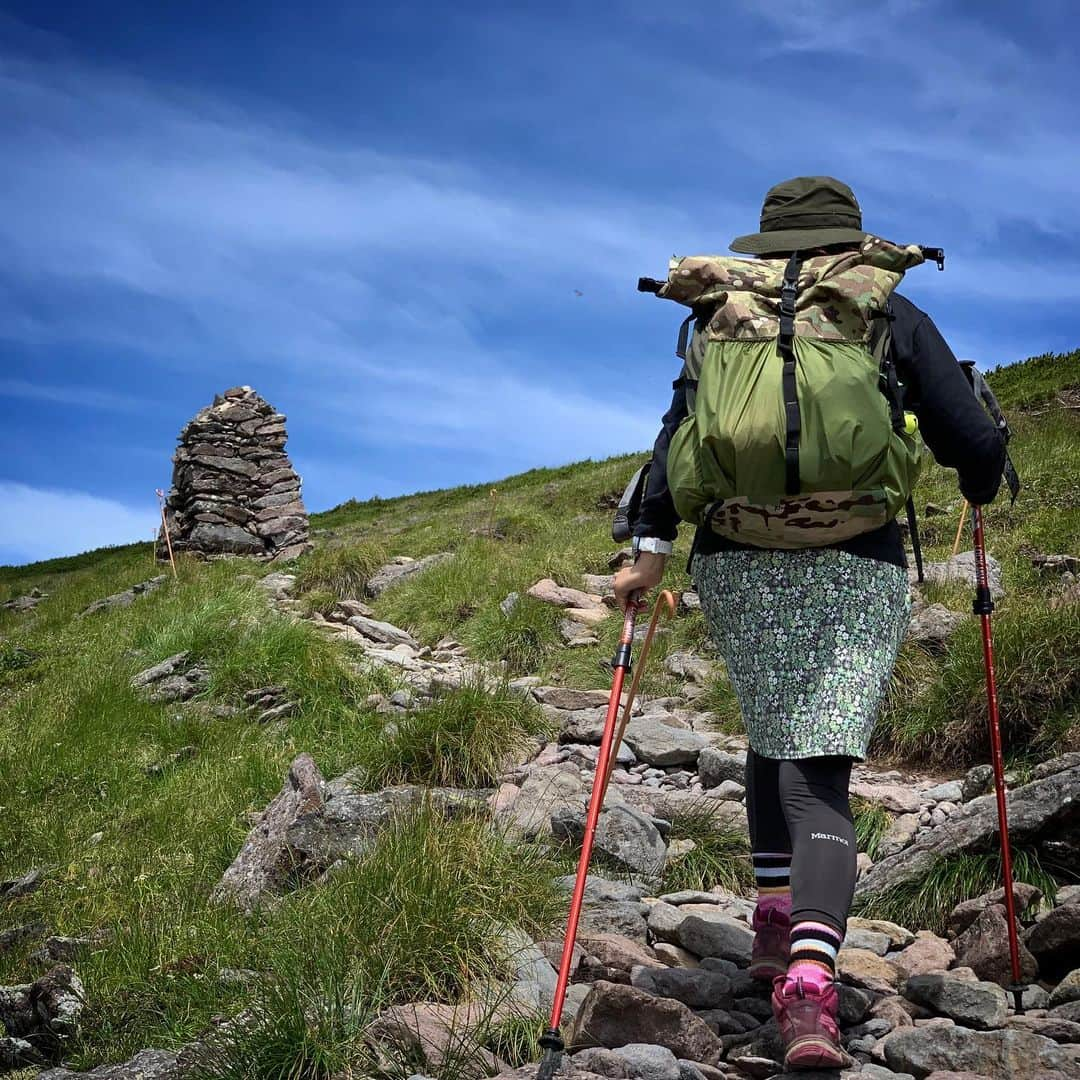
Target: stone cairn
234, 489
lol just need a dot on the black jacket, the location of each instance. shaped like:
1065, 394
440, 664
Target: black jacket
953, 423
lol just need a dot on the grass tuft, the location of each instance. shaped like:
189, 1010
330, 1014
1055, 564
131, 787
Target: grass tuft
466, 737
721, 854
872, 822
927, 903
341, 571
417, 919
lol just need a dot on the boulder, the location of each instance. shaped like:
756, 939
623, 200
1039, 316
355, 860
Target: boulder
964, 914
898, 836
127, 597
145, 1065
893, 797
715, 766
267, 862
624, 918
1034, 809
960, 570
545, 792
984, 947
39, 1018
618, 956
571, 700
622, 833
1050, 1027
1054, 941
662, 745
439, 1035
932, 625
868, 971
858, 938
981, 1005
687, 666
534, 977
707, 933
898, 936
1007, 1054
696, 987
401, 569
311, 824
925, 954
588, 607
1066, 991
614, 1015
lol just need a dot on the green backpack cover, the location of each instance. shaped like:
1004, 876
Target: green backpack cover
796, 436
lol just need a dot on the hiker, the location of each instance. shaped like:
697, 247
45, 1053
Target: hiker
810, 634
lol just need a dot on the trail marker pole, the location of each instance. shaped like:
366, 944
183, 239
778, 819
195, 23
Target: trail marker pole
165, 531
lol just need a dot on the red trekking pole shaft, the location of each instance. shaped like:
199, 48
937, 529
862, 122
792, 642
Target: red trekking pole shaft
983, 606
551, 1040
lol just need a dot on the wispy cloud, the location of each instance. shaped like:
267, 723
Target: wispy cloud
407, 293
84, 397
40, 523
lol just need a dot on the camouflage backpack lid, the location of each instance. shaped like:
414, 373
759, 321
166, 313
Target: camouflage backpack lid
790, 441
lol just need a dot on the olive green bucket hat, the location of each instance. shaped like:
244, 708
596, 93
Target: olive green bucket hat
807, 212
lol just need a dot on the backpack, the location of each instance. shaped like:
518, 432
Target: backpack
796, 435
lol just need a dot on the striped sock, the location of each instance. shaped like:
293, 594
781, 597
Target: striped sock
772, 874
813, 952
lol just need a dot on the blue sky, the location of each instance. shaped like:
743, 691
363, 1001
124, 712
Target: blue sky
380, 216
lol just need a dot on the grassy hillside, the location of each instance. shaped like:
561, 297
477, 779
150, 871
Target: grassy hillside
132, 810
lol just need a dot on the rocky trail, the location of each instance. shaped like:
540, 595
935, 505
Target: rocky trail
660, 989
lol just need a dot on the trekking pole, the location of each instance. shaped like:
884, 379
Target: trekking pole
665, 599
982, 607
551, 1040
960, 528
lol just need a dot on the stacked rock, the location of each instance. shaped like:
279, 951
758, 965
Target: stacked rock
234, 490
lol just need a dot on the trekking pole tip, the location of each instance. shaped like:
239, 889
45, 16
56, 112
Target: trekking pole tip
553, 1046
1017, 992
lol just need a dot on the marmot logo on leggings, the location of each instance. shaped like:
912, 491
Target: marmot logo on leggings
829, 836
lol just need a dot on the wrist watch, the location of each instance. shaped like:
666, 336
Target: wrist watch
652, 544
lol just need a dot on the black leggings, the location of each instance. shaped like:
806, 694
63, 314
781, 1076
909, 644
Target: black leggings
802, 807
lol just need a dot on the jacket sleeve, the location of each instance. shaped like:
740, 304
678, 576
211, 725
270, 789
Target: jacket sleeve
658, 515
954, 424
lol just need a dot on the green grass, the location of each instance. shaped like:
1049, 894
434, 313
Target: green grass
417, 919
465, 737
1034, 381
927, 903
872, 822
721, 855
341, 572
137, 853
942, 719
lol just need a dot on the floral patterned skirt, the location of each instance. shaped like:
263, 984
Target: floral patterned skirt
810, 639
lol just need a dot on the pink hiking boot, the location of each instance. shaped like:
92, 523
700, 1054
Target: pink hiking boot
807, 1018
772, 944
